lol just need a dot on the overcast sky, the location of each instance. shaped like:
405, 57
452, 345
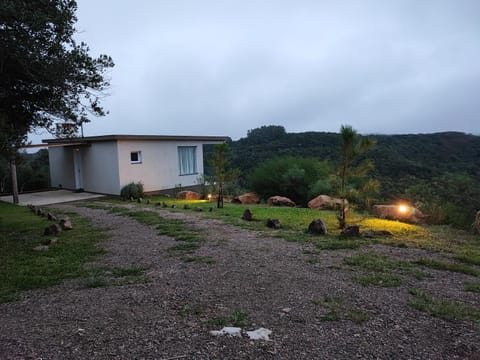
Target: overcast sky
224, 67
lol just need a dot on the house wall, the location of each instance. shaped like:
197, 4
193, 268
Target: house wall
61, 174
100, 167
159, 169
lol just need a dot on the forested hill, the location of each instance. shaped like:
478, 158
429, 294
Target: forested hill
400, 160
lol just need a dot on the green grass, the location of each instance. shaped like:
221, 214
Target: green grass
470, 256
336, 309
472, 286
236, 318
442, 308
113, 276
295, 222
464, 246
22, 268
379, 279
183, 247
198, 259
380, 270
189, 310
453, 267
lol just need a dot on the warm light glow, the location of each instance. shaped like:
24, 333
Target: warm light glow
402, 208
209, 196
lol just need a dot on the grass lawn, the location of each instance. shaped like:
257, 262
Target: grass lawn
460, 245
23, 268
295, 222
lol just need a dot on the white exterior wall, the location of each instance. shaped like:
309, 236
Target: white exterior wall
159, 169
61, 174
100, 168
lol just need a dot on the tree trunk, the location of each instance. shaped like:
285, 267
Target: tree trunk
13, 170
220, 197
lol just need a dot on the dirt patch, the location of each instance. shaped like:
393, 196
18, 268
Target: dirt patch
313, 308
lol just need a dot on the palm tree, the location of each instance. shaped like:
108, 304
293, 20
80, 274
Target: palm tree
352, 145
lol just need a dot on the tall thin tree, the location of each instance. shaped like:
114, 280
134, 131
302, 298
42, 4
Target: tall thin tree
352, 145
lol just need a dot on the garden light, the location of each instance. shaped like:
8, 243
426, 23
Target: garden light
402, 208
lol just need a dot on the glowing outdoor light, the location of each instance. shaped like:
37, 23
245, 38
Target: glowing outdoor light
402, 208
209, 197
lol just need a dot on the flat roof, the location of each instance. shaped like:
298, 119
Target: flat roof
88, 139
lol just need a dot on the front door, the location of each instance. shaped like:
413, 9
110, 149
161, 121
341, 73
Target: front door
77, 168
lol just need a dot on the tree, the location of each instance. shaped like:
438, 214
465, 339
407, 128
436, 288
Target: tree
46, 77
223, 174
352, 145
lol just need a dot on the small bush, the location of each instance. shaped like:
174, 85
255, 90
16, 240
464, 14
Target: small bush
292, 177
132, 190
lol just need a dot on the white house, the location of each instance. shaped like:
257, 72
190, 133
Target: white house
104, 164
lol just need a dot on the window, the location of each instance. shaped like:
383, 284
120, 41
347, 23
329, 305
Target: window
136, 157
187, 160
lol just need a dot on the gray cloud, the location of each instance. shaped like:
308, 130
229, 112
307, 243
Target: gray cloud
223, 67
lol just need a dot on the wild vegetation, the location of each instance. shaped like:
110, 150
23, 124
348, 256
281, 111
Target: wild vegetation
32, 172
439, 173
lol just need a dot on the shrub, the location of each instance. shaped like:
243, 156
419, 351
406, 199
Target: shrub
132, 190
292, 177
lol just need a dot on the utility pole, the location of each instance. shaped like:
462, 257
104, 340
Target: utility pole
13, 171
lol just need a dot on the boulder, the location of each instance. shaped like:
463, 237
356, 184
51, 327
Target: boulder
53, 229
65, 223
274, 223
317, 227
188, 195
477, 222
51, 217
394, 212
248, 198
280, 201
351, 231
325, 202
247, 215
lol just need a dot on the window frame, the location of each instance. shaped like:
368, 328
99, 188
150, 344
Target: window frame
139, 157
194, 164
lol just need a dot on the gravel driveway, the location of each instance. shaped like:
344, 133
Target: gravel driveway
313, 308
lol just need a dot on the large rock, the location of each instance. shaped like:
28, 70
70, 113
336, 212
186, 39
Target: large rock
280, 201
53, 229
351, 231
65, 223
477, 222
317, 227
188, 195
248, 198
274, 223
247, 215
398, 212
325, 202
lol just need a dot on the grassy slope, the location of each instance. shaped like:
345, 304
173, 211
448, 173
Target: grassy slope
23, 268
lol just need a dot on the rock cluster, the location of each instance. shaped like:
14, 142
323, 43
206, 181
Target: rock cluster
62, 223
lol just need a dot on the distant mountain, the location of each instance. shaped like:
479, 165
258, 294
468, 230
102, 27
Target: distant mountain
400, 160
